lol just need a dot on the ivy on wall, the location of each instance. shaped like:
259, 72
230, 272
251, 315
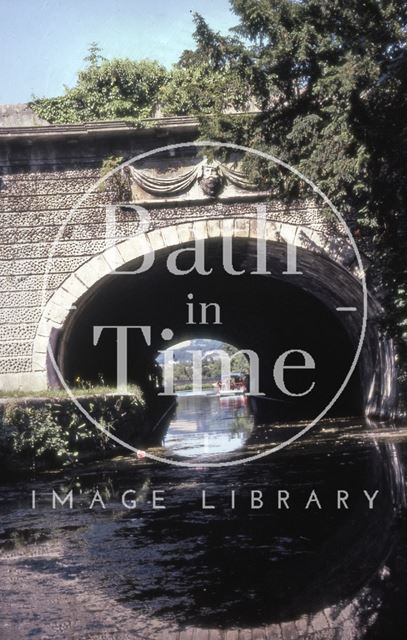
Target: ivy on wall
118, 89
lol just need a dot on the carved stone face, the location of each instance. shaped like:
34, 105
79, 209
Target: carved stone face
211, 180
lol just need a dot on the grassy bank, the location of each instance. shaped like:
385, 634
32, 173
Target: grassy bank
46, 432
50, 394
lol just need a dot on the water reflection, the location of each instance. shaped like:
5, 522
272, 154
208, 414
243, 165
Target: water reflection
207, 425
290, 572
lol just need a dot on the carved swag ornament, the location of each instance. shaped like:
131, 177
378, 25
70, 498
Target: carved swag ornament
211, 177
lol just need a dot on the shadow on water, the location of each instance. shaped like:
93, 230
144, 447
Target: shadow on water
232, 565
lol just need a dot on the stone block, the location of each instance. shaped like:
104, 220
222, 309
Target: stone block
13, 348
274, 632
63, 298
303, 626
21, 298
200, 230
93, 270
113, 257
289, 631
259, 634
227, 227
13, 364
40, 344
17, 316
32, 381
272, 231
214, 228
75, 287
170, 236
23, 331
185, 232
134, 247
201, 634
319, 621
242, 229
288, 233
156, 240
57, 314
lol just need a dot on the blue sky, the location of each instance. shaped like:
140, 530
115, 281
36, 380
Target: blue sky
43, 42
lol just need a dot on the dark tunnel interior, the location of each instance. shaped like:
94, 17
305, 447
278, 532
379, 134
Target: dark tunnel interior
264, 313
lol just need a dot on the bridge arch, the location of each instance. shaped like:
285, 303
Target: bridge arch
330, 280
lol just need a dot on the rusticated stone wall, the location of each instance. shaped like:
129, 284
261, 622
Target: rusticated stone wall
44, 173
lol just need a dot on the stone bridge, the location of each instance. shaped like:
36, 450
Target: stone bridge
68, 250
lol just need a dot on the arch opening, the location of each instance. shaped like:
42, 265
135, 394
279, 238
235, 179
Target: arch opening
215, 418
268, 314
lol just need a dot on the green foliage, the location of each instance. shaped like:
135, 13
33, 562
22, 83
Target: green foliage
123, 89
34, 433
203, 81
118, 89
110, 163
54, 433
199, 89
117, 184
331, 81
94, 56
211, 368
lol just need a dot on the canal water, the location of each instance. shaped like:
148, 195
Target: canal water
208, 425
260, 550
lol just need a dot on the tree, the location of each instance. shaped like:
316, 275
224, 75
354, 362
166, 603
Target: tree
330, 79
203, 80
118, 89
94, 56
381, 121
198, 89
